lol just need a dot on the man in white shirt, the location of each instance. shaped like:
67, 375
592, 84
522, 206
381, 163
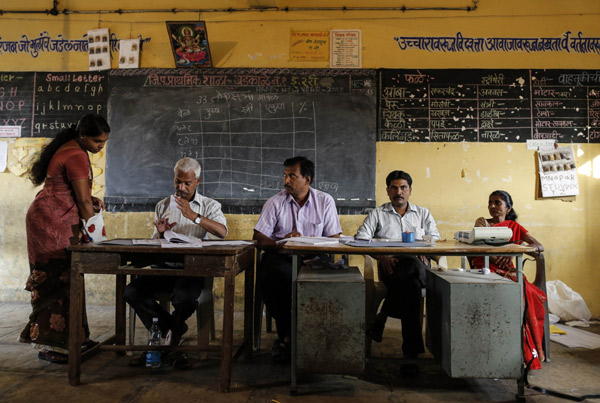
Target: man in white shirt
404, 276
191, 214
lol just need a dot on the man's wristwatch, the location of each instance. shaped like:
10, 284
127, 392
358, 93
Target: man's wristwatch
198, 219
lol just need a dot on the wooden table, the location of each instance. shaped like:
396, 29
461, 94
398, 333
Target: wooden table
444, 248
120, 261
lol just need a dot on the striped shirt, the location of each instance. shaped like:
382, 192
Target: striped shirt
385, 222
204, 206
281, 215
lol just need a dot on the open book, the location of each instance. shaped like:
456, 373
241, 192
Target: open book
174, 237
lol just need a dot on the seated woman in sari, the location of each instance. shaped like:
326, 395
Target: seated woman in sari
501, 209
52, 224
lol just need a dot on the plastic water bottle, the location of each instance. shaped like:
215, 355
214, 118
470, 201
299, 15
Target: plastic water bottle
153, 357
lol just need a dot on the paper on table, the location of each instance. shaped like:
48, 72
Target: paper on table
311, 240
226, 242
345, 238
117, 242
180, 245
387, 244
147, 241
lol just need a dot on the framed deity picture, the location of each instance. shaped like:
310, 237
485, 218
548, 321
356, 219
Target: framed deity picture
189, 42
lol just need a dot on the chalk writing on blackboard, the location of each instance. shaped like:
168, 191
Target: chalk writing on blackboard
564, 105
241, 124
232, 140
62, 98
488, 105
16, 100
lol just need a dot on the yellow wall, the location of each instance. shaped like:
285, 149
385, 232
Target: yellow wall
453, 180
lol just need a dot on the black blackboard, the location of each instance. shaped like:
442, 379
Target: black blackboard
61, 99
489, 105
16, 100
240, 124
44, 103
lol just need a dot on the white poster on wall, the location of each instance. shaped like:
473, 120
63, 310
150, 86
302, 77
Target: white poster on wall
10, 131
129, 53
558, 174
99, 49
345, 49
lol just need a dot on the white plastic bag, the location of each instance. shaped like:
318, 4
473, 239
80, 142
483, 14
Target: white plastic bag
93, 229
566, 303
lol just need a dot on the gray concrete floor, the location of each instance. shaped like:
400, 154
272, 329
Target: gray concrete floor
107, 377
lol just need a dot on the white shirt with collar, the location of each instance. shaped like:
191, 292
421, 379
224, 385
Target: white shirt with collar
385, 222
204, 206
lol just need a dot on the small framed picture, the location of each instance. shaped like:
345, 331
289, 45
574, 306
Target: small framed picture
189, 42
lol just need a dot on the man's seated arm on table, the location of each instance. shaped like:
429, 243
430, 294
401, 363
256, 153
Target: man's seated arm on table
390, 220
298, 210
268, 223
193, 215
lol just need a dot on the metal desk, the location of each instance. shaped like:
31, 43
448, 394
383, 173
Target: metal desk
444, 248
212, 261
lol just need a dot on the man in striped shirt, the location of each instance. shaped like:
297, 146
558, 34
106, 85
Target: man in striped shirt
298, 210
191, 214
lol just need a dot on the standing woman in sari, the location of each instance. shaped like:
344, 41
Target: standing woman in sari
501, 209
53, 223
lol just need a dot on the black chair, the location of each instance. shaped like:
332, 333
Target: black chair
375, 292
259, 306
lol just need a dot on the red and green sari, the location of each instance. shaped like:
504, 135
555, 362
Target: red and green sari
52, 224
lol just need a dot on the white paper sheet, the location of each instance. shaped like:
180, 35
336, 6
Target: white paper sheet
10, 131
226, 242
99, 49
117, 242
129, 53
147, 241
576, 338
180, 245
310, 240
3, 155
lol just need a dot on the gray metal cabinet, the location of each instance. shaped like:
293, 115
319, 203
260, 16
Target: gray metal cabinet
331, 321
474, 324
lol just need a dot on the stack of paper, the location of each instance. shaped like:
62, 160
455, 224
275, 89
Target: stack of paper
311, 240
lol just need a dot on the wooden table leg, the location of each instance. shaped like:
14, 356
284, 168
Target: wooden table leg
75, 321
227, 345
521, 381
120, 310
295, 264
249, 310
